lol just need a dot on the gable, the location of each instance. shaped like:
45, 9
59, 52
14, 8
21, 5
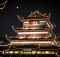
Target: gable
35, 14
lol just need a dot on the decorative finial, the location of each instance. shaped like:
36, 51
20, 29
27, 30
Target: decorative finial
12, 26
44, 14
37, 11
49, 14
18, 16
6, 35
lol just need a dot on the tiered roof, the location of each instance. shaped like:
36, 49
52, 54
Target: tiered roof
36, 16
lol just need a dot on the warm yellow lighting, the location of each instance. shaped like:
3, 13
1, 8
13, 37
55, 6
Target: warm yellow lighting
11, 52
52, 52
31, 28
47, 52
27, 52
26, 49
31, 42
56, 53
16, 52
38, 52
26, 22
3, 52
21, 52
33, 32
43, 52
6, 52
34, 22
33, 52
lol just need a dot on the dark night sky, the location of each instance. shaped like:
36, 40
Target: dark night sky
8, 16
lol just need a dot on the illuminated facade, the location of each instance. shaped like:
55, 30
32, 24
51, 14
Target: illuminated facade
36, 27
35, 36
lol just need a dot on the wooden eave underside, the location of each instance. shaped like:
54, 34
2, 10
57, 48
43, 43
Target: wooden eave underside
24, 30
36, 19
28, 30
23, 20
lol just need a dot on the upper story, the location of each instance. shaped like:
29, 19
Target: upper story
36, 25
36, 20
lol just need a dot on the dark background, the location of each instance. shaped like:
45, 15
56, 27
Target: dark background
8, 16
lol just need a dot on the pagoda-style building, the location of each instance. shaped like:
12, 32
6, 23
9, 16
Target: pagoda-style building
34, 37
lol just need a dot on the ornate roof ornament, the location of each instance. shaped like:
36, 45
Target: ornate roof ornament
2, 5
38, 14
20, 18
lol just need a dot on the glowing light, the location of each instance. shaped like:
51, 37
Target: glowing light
42, 52
53, 52
38, 52
47, 52
32, 32
33, 52
26, 53
31, 28
7, 52
3, 52
26, 22
17, 7
21, 52
11, 52
31, 42
29, 52
56, 53
16, 52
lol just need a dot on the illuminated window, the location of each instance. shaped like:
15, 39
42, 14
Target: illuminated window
42, 24
47, 52
43, 52
34, 22
53, 52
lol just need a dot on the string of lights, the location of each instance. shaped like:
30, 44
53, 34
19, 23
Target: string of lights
3, 5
